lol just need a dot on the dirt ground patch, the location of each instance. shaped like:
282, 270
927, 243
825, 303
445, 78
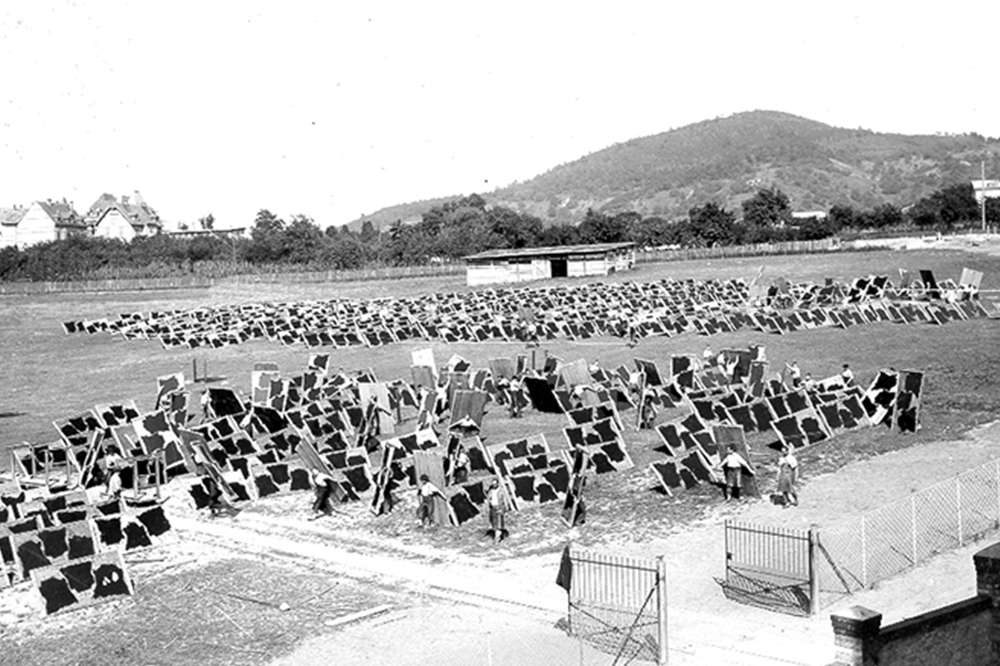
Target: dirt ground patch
226, 611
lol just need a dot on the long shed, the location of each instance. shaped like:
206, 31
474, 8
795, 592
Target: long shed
540, 263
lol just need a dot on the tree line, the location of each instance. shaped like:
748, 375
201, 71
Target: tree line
461, 227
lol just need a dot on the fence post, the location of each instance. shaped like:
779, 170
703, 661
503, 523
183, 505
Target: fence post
958, 499
569, 598
813, 569
864, 556
661, 611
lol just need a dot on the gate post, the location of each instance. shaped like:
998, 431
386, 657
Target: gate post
661, 611
813, 569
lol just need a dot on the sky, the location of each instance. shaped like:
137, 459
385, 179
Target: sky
335, 110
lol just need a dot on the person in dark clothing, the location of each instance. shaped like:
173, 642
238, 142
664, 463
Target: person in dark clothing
647, 411
216, 502
733, 466
323, 487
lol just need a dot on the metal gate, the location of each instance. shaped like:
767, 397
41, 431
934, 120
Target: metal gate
617, 604
771, 567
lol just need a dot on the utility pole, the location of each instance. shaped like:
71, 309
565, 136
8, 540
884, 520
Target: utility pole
982, 182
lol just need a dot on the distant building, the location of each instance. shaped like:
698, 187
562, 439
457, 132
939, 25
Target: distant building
234, 232
9, 219
132, 216
41, 222
807, 214
986, 188
539, 263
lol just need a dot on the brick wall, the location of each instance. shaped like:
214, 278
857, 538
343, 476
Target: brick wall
966, 633
956, 635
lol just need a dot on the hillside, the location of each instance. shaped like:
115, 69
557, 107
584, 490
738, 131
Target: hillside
728, 159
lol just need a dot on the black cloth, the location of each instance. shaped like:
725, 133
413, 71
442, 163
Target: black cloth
564, 578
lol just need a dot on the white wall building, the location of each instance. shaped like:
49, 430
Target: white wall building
540, 263
43, 221
988, 188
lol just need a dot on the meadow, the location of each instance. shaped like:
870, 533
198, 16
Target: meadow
49, 375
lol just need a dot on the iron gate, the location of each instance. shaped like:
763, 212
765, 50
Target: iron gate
617, 604
771, 567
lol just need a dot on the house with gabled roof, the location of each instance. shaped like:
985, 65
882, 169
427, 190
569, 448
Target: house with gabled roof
124, 219
9, 218
45, 221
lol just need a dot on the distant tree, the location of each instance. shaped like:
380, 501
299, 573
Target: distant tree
513, 229
651, 232
597, 227
812, 228
924, 213
885, 215
207, 222
301, 241
266, 245
712, 225
559, 234
266, 223
844, 217
204, 248
993, 210
767, 209
342, 251
472, 201
947, 207
368, 232
404, 246
957, 204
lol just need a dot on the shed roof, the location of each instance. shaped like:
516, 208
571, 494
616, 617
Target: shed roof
553, 251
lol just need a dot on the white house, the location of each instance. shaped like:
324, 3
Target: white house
125, 219
44, 221
113, 223
9, 218
986, 188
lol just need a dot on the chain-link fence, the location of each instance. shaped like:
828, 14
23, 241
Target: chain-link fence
857, 553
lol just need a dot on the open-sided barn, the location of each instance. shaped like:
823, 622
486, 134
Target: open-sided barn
539, 263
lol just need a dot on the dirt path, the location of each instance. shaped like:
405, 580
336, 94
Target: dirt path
480, 605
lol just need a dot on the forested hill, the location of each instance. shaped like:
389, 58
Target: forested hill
727, 160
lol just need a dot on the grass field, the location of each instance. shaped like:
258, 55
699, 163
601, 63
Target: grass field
49, 375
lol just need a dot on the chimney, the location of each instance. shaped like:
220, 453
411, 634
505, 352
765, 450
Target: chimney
124, 199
